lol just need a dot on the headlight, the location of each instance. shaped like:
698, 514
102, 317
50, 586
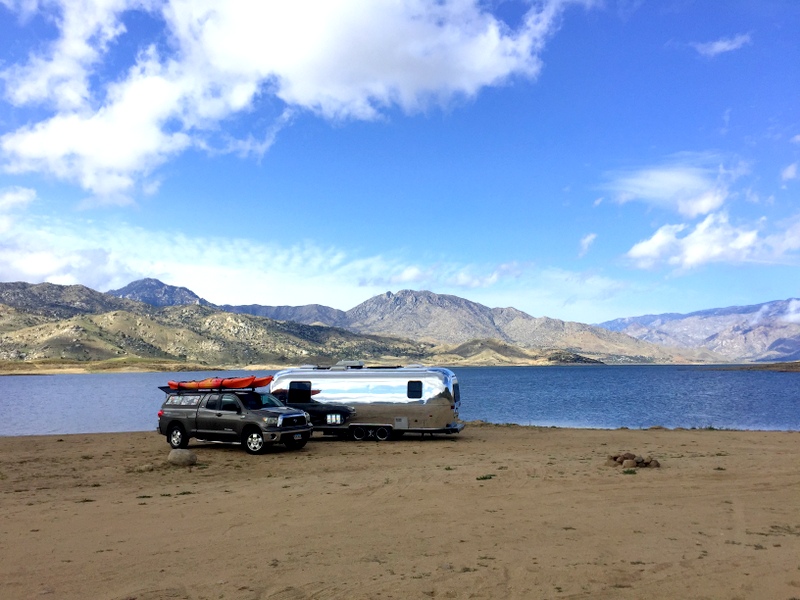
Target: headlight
308, 418
271, 421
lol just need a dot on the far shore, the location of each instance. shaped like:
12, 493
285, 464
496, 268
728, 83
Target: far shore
61, 367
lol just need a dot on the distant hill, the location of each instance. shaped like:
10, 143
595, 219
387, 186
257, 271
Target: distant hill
759, 332
62, 301
157, 293
451, 320
75, 324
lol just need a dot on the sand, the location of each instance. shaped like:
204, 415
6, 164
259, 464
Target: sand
496, 512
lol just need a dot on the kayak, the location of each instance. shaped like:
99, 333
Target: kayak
215, 383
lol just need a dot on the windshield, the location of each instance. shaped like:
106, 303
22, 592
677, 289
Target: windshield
255, 401
270, 401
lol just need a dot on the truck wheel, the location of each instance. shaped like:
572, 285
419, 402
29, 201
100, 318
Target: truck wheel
176, 437
383, 433
296, 444
253, 441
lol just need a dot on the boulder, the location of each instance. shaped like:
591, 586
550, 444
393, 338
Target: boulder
629, 464
182, 458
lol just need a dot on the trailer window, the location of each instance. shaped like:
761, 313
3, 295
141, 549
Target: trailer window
414, 389
456, 393
299, 392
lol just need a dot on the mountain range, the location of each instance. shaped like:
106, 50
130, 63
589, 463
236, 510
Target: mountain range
148, 319
755, 333
447, 321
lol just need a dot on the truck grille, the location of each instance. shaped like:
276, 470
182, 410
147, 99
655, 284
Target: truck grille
293, 421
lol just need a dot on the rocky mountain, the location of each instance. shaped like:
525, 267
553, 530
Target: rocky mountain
310, 314
62, 301
84, 330
759, 332
448, 319
69, 324
451, 320
157, 293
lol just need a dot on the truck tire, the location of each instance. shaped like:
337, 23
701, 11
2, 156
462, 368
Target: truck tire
253, 441
176, 437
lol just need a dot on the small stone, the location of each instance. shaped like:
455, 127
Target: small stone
182, 458
145, 468
629, 464
628, 456
654, 464
612, 463
639, 459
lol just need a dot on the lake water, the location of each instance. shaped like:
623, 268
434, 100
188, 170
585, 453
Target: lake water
604, 397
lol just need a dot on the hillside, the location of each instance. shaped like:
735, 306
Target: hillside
759, 332
73, 324
447, 320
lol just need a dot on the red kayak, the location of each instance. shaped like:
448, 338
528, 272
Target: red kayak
215, 383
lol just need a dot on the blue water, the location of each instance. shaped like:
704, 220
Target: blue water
569, 396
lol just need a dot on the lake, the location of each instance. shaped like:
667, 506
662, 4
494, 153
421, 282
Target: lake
605, 397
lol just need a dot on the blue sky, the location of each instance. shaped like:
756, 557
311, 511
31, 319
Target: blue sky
575, 159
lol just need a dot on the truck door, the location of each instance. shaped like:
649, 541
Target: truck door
218, 419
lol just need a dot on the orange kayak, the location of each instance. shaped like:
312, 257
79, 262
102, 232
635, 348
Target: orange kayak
214, 383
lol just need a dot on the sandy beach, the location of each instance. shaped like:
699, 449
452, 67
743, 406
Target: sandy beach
497, 512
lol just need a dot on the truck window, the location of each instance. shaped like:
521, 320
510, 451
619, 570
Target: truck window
213, 402
229, 403
299, 392
414, 389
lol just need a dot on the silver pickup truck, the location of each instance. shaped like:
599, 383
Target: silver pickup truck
238, 416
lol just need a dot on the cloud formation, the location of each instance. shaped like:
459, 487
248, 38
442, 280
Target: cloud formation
338, 59
691, 184
586, 242
712, 240
720, 46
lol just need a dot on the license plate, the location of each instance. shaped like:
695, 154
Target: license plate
298, 436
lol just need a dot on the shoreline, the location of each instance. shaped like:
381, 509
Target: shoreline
495, 512
73, 368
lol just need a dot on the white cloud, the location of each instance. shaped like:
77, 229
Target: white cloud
796, 139
712, 49
690, 184
712, 240
586, 242
789, 172
342, 59
792, 314
16, 197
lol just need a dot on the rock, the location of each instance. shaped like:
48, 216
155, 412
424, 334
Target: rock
182, 458
639, 460
145, 468
654, 464
629, 464
611, 463
628, 456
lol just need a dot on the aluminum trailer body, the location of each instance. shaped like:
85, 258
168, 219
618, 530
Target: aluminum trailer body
387, 401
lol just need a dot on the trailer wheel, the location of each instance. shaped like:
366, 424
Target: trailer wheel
359, 433
383, 433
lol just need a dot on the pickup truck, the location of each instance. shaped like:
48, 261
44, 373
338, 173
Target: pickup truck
237, 416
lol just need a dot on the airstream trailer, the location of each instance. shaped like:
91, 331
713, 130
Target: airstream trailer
377, 402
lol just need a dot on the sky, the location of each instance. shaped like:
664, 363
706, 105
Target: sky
578, 159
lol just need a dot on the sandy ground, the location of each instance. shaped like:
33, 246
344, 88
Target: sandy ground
497, 512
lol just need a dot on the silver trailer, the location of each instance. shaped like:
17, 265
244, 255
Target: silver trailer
385, 401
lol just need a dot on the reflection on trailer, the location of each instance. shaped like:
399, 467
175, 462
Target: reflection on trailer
376, 402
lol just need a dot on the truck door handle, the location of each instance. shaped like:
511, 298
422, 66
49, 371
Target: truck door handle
219, 414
